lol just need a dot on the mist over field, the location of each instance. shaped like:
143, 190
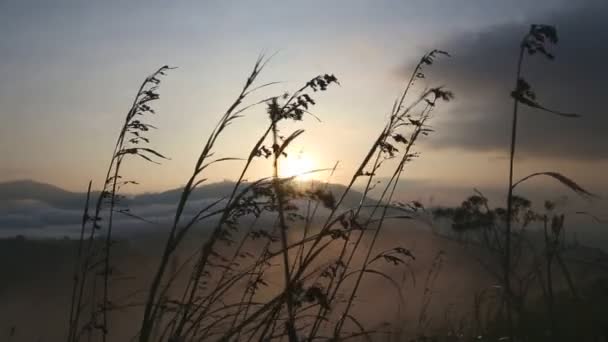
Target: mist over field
39, 210
436, 290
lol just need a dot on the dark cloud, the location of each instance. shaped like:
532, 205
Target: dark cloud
481, 73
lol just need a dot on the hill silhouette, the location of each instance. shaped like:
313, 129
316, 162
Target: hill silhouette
30, 190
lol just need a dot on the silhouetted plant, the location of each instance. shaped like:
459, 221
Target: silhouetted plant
320, 283
535, 41
533, 258
90, 260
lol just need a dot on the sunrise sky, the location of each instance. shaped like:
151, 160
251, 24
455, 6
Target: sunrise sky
69, 70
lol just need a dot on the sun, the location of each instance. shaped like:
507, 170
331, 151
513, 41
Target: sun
299, 166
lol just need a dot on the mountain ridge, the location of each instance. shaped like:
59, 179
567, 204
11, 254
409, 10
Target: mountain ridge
24, 190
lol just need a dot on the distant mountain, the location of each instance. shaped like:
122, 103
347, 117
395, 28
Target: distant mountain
31, 190
56, 197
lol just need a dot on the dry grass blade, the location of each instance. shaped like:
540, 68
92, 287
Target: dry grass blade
569, 183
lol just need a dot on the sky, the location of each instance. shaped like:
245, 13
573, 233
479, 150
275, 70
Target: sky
69, 71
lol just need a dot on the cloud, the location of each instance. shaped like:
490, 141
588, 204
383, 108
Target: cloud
37, 209
481, 73
36, 218
41, 210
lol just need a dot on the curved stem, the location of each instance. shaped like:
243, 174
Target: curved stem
507, 253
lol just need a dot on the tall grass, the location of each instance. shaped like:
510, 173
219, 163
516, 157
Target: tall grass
308, 305
93, 258
535, 41
221, 291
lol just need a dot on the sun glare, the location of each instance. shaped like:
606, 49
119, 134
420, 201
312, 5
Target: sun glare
298, 166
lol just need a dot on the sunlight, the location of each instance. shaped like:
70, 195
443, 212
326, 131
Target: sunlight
298, 165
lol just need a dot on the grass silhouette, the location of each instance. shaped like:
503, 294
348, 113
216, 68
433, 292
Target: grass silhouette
323, 248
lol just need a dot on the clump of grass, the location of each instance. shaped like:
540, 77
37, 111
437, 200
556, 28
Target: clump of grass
536, 41
540, 268
317, 295
93, 257
222, 292
523, 263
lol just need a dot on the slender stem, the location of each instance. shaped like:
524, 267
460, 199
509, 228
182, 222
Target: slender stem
108, 245
549, 261
175, 237
74, 310
391, 187
290, 324
507, 254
